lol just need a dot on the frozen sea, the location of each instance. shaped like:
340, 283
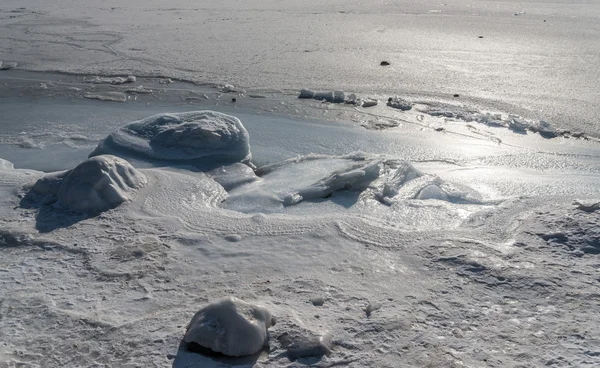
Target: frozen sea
439, 211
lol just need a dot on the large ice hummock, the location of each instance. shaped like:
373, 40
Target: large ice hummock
231, 327
196, 136
97, 184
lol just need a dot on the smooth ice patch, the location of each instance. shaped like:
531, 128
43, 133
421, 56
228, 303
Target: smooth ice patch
230, 326
197, 136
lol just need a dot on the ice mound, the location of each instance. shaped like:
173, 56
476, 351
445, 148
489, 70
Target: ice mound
329, 96
6, 65
231, 327
399, 103
97, 184
405, 182
6, 165
197, 136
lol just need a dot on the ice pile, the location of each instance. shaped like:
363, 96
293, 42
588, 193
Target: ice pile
98, 184
359, 101
231, 327
195, 137
110, 80
513, 122
375, 179
399, 103
6, 65
329, 96
109, 96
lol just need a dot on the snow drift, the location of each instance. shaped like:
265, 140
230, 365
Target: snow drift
97, 184
230, 326
197, 136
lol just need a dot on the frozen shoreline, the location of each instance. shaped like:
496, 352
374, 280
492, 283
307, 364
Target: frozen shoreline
425, 229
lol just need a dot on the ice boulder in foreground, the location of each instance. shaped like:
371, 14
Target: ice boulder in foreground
97, 184
196, 136
230, 326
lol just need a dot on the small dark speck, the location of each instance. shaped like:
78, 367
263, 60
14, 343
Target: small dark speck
384, 63
233, 99
544, 20
480, 37
456, 95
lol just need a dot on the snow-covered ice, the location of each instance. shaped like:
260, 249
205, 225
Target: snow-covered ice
446, 234
195, 137
230, 326
399, 103
95, 185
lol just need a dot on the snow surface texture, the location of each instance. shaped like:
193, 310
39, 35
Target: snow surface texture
198, 136
96, 185
230, 326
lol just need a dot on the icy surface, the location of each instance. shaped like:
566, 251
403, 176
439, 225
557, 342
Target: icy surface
230, 326
192, 136
459, 239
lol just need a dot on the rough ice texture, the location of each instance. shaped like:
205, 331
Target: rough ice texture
329, 96
230, 326
6, 165
357, 177
399, 103
110, 80
95, 185
513, 122
106, 96
191, 136
7, 65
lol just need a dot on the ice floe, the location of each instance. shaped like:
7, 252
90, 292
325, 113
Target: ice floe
197, 136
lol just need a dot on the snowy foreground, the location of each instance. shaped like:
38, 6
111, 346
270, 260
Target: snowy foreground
481, 252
